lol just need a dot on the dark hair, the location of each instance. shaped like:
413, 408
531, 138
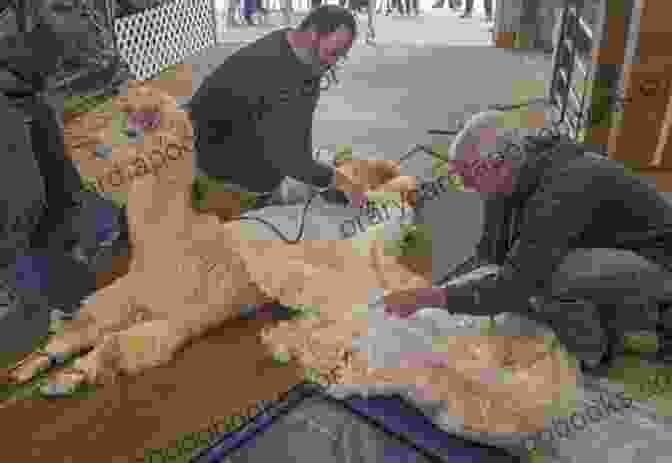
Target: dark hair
327, 19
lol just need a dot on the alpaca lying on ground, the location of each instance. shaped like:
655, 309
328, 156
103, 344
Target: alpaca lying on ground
189, 272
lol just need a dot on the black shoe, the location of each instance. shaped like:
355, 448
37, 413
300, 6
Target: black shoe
466, 15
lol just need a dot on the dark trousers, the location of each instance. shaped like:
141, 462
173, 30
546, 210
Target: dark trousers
454, 4
412, 5
61, 178
487, 4
595, 297
22, 191
629, 293
396, 4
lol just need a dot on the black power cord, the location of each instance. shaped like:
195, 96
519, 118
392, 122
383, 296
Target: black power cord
416, 149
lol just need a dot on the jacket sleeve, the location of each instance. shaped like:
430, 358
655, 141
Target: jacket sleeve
300, 165
311, 171
555, 215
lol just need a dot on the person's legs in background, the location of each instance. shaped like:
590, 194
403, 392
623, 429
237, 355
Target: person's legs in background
468, 9
286, 6
248, 6
412, 5
487, 5
234, 13
262, 7
370, 15
61, 178
598, 295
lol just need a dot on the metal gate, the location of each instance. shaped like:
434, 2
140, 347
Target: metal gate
572, 69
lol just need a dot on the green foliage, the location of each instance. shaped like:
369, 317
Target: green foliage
441, 149
89, 184
441, 169
198, 193
552, 343
312, 375
281, 358
416, 240
488, 327
31, 389
384, 198
304, 312
82, 104
640, 343
343, 153
119, 198
168, 73
203, 185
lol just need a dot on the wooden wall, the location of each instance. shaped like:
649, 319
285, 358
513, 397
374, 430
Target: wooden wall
641, 137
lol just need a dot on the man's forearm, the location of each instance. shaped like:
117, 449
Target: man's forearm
487, 296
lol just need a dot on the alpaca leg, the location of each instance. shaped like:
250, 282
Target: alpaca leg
79, 334
131, 351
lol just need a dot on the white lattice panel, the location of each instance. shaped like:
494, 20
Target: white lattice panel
165, 35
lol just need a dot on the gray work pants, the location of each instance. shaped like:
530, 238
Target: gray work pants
597, 295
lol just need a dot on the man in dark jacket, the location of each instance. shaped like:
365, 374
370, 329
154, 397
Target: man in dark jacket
253, 115
581, 245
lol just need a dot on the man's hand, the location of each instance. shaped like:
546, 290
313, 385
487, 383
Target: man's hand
355, 192
404, 304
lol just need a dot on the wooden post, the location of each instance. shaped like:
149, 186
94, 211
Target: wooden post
610, 40
507, 23
640, 137
662, 158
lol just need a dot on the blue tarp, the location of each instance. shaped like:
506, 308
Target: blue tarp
406, 436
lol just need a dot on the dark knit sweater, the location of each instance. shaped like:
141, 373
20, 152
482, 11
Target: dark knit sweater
253, 118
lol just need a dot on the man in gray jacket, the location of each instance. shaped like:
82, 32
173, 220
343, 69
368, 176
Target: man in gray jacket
581, 244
